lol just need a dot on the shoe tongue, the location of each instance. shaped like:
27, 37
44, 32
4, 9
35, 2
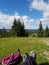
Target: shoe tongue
32, 53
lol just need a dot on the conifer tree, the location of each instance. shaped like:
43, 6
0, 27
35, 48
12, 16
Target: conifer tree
46, 31
18, 28
40, 30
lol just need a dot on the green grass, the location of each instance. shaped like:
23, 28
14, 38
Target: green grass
9, 45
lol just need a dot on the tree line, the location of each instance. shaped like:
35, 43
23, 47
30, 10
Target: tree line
42, 32
17, 29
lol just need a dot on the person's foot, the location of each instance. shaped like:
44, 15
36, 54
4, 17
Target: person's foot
25, 55
32, 53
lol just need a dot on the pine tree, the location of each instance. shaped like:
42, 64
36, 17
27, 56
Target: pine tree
18, 28
14, 28
46, 31
4, 32
0, 32
40, 30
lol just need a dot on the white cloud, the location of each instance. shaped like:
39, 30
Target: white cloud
7, 20
46, 14
41, 6
25, 17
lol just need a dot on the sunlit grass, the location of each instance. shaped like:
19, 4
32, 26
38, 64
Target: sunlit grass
9, 45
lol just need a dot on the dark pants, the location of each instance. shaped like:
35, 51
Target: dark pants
30, 61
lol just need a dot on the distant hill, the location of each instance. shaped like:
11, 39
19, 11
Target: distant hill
27, 30
31, 30
6, 30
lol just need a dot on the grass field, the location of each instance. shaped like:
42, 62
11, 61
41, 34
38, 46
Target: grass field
9, 45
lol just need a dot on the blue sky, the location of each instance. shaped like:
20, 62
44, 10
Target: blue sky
31, 12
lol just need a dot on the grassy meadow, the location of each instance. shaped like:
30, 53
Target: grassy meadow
26, 44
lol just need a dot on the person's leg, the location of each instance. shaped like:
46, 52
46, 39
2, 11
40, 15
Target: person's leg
32, 55
25, 55
25, 59
29, 59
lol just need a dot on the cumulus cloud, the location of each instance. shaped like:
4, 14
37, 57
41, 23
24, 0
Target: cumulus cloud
46, 14
6, 20
41, 6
